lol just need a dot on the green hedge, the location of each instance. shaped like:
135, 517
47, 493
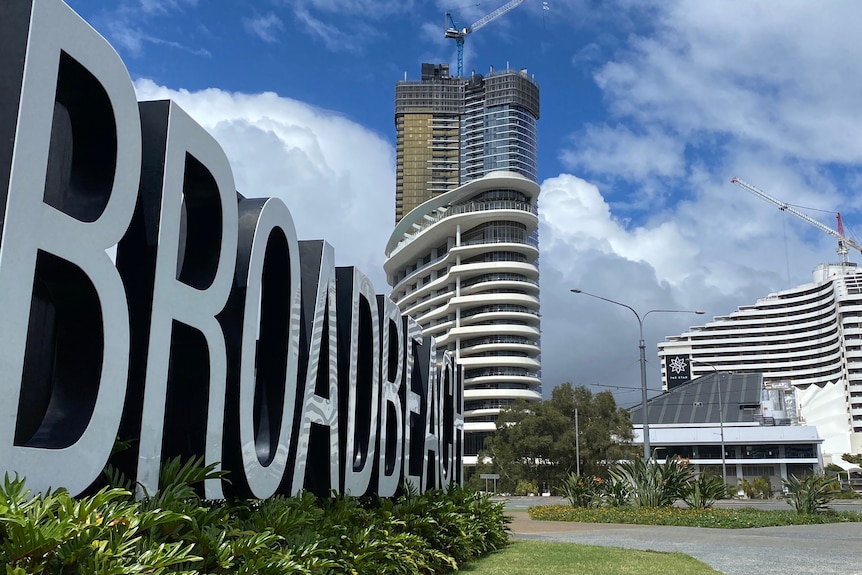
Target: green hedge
711, 517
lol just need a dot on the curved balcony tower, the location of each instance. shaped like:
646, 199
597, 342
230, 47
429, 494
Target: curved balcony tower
464, 265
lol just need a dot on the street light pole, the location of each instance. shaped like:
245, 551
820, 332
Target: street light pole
642, 350
720, 416
577, 444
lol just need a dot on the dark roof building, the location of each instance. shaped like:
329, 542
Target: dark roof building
731, 422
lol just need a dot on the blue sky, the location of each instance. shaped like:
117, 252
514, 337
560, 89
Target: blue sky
648, 109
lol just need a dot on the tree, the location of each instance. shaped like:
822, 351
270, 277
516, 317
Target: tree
536, 441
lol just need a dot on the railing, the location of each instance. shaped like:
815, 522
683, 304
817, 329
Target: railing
501, 308
469, 207
498, 277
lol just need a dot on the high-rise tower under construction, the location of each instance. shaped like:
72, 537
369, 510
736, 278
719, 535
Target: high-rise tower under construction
452, 130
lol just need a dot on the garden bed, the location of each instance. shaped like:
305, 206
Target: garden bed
711, 517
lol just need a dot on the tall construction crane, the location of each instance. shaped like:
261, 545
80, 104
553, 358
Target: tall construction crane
843, 241
453, 32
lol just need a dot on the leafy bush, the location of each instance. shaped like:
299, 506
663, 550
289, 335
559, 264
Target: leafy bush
810, 494
583, 491
702, 492
103, 533
757, 488
526, 487
175, 531
653, 484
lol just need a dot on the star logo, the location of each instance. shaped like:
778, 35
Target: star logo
677, 365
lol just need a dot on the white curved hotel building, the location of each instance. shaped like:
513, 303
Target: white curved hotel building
464, 264
807, 339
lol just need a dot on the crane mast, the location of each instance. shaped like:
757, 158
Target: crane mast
843, 241
458, 35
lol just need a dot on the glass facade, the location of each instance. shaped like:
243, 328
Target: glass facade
498, 126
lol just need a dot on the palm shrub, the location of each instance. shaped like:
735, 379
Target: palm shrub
583, 491
810, 494
616, 492
703, 491
653, 484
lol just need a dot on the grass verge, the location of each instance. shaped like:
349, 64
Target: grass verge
527, 557
721, 518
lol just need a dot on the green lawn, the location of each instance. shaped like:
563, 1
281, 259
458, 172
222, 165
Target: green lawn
528, 557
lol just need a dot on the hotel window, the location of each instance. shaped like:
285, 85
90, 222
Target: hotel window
760, 452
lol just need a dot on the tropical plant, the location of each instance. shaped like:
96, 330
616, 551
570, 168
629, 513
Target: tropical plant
757, 488
103, 533
810, 494
653, 484
616, 492
175, 531
703, 491
854, 458
583, 491
460, 523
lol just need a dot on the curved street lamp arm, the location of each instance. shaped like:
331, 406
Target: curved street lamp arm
637, 315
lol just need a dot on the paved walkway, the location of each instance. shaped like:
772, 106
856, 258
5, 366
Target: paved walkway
833, 549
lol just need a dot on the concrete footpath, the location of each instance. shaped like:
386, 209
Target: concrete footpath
833, 549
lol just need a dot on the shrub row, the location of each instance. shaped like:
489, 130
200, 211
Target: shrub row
175, 531
641, 483
688, 517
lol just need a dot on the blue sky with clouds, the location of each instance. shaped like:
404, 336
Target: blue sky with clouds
648, 109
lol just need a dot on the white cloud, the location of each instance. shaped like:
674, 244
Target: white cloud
164, 6
266, 27
373, 9
780, 78
575, 217
334, 38
617, 150
336, 177
128, 26
134, 39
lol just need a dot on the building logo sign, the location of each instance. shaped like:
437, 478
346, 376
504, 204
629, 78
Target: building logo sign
213, 331
678, 370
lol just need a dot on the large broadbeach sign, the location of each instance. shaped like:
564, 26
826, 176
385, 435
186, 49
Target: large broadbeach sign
213, 331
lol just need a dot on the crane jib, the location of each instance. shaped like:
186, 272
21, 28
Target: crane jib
843, 241
454, 33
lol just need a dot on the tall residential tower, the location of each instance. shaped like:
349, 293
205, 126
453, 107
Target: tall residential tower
463, 258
